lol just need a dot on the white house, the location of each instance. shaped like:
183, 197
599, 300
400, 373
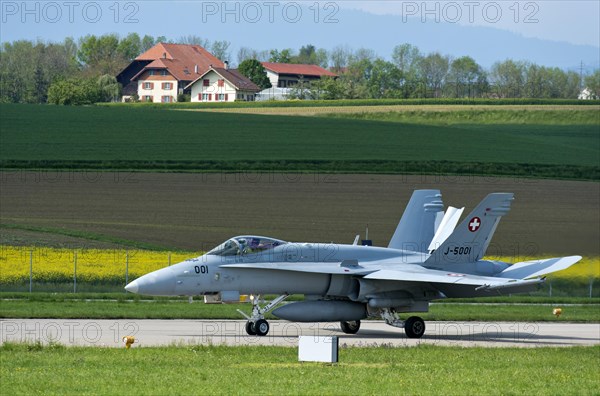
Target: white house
221, 84
286, 75
586, 94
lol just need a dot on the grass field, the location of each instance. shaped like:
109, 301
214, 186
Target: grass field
54, 369
140, 137
181, 309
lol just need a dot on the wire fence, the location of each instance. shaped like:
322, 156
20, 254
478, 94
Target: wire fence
26, 269
78, 270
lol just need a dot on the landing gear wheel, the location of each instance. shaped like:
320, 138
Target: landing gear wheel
350, 327
250, 328
414, 327
261, 327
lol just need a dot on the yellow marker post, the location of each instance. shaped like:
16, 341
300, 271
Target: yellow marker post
557, 312
128, 340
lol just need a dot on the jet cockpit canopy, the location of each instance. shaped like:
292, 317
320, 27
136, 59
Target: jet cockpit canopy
247, 244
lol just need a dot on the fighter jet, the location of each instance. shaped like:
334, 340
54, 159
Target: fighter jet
428, 258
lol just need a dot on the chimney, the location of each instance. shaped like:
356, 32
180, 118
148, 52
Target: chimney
196, 69
226, 63
164, 55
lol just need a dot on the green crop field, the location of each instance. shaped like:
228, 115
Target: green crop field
551, 143
55, 369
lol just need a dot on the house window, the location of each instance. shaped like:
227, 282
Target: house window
167, 99
206, 82
148, 98
167, 86
220, 97
163, 72
221, 83
205, 97
152, 72
148, 85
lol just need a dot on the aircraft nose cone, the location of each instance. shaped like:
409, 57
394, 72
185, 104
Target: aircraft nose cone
132, 287
157, 283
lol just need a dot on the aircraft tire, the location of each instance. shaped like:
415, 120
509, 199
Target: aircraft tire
250, 328
350, 327
261, 327
414, 327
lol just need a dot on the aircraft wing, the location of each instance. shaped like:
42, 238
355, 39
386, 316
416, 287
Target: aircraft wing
401, 273
346, 267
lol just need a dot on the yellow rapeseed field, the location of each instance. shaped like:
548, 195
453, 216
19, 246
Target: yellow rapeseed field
93, 265
108, 266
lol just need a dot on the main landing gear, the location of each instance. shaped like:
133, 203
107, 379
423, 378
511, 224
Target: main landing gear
256, 324
350, 327
414, 327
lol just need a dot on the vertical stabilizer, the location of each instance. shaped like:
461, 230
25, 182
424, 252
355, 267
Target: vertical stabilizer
471, 238
446, 227
417, 225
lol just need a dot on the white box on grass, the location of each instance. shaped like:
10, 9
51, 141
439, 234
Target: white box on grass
318, 349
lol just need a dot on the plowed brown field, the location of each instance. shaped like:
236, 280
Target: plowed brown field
197, 211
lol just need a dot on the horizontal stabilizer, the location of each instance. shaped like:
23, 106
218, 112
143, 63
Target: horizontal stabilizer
416, 273
534, 268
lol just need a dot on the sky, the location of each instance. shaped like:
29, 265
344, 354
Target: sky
550, 32
575, 22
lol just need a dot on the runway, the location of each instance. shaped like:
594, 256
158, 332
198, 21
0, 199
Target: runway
151, 332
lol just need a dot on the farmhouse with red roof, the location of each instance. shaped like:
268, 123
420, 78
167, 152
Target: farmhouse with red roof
163, 72
286, 75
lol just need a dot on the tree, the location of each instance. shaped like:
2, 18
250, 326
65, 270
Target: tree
245, 53
592, 82
74, 91
322, 58
101, 55
329, 88
285, 56
256, 72
147, 43
339, 57
109, 88
385, 80
466, 76
434, 68
192, 39
362, 54
220, 49
508, 78
407, 59
130, 46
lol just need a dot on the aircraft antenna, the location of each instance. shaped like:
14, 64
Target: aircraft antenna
367, 241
